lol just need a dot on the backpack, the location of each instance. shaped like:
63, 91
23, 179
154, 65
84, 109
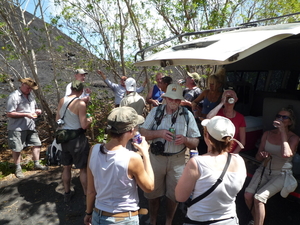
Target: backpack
160, 113
53, 154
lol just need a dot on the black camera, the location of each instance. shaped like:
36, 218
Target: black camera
60, 122
157, 148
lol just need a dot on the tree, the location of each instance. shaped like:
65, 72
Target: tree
27, 42
17, 36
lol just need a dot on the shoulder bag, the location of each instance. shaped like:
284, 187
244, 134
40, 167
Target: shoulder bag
191, 202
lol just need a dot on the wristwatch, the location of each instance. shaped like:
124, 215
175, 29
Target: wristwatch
88, 214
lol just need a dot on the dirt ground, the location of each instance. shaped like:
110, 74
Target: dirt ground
38, 199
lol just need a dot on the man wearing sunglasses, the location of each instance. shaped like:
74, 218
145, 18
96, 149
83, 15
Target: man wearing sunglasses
21, 111
119, 89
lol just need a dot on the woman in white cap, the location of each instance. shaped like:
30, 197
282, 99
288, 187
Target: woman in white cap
202, 172
276, 150
114, 173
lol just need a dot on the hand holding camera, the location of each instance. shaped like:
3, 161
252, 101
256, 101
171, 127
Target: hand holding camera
60, 122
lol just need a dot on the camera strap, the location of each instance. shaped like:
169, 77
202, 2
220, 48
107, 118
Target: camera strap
67, 108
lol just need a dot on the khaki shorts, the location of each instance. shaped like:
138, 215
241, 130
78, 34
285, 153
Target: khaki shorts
270, 184
167, 171
17, 140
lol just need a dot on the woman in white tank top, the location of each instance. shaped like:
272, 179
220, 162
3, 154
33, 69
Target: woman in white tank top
202, 172
276, 150
114, 172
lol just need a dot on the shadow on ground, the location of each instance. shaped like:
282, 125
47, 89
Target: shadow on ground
38, 199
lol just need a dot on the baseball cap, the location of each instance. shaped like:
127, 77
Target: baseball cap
77, 85
30, 82
174, 91
219, 127
123, 119
80, 71
195, 76
130, 84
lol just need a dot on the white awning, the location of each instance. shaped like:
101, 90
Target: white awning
223, 48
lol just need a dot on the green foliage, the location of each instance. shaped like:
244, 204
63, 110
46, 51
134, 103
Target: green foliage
6, 168
101, 137
3, 96
3, 78
60, 48
28, 166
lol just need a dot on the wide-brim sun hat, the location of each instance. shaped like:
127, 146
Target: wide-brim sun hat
219, 127
123, 119
195, 76
174, 91
30, 82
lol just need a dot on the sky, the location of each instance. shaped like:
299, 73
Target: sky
48, 6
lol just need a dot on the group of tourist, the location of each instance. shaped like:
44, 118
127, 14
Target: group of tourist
175, 123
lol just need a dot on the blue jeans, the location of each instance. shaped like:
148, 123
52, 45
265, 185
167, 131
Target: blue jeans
99, 219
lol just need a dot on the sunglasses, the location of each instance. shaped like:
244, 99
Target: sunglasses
278, 116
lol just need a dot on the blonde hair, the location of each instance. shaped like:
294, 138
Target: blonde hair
292, 116
215, 79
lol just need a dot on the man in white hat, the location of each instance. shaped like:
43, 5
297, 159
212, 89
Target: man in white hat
171, 128
119, 89
21, 111
132, 98
80, 76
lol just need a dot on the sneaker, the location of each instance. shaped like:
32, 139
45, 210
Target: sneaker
19, 174
40, 167
251, 222
67, 197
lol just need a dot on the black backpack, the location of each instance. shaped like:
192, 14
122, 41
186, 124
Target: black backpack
53, 156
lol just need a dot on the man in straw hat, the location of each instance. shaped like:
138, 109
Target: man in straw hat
21, 111
171, 128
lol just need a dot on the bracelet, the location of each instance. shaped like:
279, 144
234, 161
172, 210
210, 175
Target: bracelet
89, 214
